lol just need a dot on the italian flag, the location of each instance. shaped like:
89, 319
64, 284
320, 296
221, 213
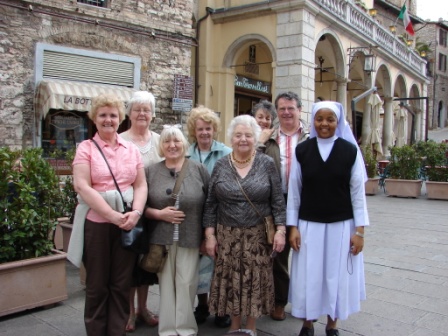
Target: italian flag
404, 15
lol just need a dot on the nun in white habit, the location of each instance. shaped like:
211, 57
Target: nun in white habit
327, 213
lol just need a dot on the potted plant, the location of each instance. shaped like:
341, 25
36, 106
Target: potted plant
68, 199
435, 168
404, 170
32, 273
371, 186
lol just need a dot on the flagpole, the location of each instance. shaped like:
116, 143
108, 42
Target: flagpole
396, 20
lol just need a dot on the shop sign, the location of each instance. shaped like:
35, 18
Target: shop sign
252, 84
183, 93
66, 121
61, 166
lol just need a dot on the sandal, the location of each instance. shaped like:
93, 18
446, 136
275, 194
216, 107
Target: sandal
148, 317
130, 326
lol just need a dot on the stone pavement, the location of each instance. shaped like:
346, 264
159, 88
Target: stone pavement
406, 261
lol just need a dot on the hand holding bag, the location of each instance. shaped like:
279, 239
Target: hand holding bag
135, 239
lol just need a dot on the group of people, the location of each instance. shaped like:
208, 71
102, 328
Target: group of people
309, 179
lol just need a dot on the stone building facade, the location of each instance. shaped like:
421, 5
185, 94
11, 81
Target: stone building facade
125, 45
435, 35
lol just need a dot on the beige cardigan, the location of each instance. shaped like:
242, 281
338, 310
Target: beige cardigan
76, 245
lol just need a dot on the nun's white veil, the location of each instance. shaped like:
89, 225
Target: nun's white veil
342, 131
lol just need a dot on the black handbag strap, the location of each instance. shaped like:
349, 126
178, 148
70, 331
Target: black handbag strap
245, 195
108, 166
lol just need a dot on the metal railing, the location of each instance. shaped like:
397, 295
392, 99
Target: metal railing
374, 32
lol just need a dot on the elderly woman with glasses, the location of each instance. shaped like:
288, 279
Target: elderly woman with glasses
141, 111
176, 222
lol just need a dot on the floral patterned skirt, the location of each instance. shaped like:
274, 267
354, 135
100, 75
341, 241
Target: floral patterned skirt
243, 283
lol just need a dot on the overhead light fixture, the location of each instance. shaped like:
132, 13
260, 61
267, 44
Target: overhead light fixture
369, 57
393, 29
373, 12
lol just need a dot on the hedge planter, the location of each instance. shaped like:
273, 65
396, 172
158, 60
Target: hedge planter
32, 283
66, 234
437, 190
66, 228
371, 186
403, 188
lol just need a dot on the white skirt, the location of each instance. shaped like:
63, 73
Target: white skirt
325, 278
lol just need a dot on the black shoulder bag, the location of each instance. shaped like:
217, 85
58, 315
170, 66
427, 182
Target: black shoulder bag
136, 239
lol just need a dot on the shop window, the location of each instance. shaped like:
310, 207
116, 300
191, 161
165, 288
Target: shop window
64, 130
98, 3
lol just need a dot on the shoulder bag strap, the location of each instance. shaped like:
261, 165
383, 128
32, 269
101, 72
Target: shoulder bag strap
245, 195
115, 181
180, 179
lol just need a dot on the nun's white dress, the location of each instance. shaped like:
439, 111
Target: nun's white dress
325, 278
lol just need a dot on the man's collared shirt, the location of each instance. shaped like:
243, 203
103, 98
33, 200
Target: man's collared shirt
287, 144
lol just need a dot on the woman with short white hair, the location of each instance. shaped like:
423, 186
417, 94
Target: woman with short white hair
235, 233
141, 111
175, 221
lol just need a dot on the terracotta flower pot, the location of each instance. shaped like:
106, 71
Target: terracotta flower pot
33, 283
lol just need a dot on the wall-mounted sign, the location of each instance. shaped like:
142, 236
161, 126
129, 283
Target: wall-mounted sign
183, 93
252, 84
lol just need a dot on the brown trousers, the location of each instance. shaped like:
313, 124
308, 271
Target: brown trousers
281, 272
108, 282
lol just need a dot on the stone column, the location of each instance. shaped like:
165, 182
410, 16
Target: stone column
366, 122
388, 125
341, 94
295, 55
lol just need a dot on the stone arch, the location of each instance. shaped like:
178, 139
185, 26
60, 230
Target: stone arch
330, 67
75, 35
240, 42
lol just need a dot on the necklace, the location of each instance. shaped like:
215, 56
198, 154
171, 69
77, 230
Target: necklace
244, 161
241, 166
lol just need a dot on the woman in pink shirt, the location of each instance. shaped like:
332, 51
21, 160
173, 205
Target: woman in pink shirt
100, 219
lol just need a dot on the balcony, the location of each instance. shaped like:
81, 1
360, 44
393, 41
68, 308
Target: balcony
374, 34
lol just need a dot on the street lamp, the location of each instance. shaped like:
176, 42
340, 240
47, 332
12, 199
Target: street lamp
369, 57
373, 12
393, 29
423, 53
409, 42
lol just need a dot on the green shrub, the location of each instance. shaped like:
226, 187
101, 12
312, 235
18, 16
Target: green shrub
28, 207
404, 163
369, 161
434, 160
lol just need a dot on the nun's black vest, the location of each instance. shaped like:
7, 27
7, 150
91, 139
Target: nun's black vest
325, 196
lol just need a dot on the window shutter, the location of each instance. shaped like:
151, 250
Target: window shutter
87, 69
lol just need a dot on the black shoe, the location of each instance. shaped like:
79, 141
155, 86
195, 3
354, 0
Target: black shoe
332, 332
223, 321
201, 313
306, 331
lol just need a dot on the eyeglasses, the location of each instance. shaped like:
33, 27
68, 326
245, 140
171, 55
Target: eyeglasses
142, 111
179, 126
